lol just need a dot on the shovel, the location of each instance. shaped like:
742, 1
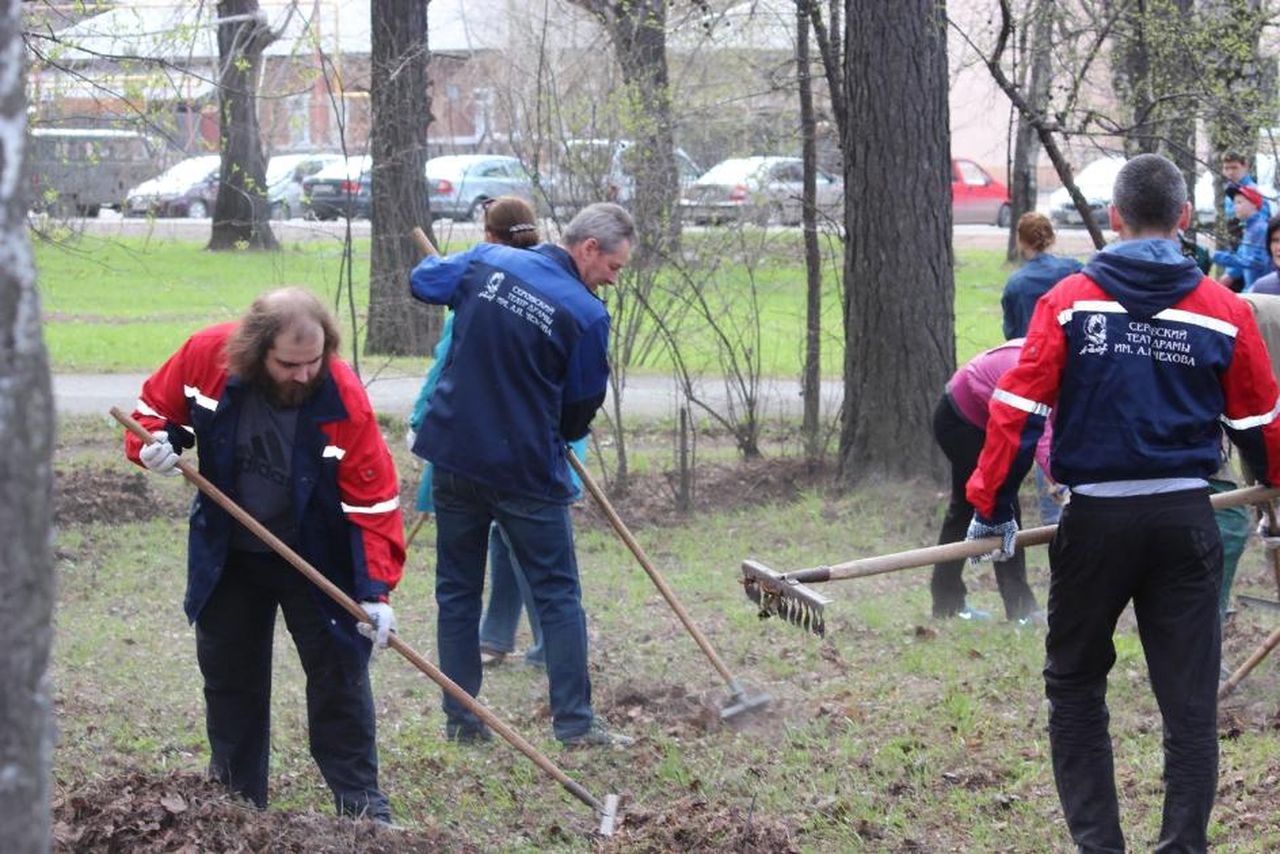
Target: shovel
608, 810
740, 702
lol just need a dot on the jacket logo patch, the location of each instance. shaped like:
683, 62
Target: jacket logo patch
491, 287
1095, 335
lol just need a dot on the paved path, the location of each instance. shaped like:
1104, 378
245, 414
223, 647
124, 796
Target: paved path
645, 397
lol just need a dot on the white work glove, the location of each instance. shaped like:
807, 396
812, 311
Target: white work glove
410, 437
1007, 531
1270, 540
384, 623
159, 456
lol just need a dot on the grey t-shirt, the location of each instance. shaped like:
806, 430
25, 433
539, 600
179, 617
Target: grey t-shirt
264, 450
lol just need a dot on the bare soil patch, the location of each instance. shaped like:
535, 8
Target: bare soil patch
650, 499
186, 812
693, 823
98, 495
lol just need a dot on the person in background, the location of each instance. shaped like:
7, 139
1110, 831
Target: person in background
510, 221
285, 429
1039, 272
1143, 361
526, 373
1270, 283
1249, 260
959, 428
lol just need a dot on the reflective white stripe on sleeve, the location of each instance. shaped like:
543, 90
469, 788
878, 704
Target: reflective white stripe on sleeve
1094, 305
146, 409
333, 451
1019, 402
1180, 316
201, 400
1251, 421
380, 507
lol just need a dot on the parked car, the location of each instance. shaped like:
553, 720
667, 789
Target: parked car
188, 188
758, 189
603, 170
976, 197
458, 185
343, 188
1095, 182
82, 170
285, 174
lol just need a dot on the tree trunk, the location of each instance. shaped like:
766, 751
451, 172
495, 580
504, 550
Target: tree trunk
398, 324
26, 483
811, 381
241, 218
899, 310
1023, 182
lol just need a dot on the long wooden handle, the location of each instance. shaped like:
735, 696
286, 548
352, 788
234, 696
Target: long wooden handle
973, 548
420, 240
352, 607
1260, 653
661, 583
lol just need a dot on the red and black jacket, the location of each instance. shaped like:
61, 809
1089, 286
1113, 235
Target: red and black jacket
1143, 361
345, 489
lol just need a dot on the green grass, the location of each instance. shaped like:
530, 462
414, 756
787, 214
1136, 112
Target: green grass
124, 304
895, 732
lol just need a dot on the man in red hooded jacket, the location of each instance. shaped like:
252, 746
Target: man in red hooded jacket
1143, 361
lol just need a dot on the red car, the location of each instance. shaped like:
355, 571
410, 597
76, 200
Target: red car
976, 197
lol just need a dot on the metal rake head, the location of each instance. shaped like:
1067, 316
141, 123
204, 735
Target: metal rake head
779, 596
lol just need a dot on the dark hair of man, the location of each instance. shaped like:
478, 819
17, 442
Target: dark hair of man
269, 315
1150, 193
1273, 225
1233, 156
512, 221
608, 223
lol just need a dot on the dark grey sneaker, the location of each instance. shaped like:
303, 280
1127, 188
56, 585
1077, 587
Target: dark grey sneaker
598, 736
464, 734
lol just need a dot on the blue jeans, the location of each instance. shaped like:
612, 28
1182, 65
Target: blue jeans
541, 540
509, 591
1050, 510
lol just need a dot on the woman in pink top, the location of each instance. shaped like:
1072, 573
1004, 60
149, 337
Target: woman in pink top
960, 427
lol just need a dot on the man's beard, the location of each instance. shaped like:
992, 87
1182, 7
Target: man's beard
291, 395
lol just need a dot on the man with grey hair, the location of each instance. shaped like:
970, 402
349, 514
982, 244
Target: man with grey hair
1143, 360
527, 371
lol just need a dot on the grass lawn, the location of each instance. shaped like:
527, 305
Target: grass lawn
894, 733
126, 304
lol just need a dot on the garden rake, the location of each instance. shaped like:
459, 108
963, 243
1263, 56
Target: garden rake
739, 700
785, 594
607, 810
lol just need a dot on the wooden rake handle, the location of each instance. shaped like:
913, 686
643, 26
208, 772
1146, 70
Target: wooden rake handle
661, 583
352, 607
973, 548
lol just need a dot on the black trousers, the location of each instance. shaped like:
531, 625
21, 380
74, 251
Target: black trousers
233, 644
1163, 553
962, 443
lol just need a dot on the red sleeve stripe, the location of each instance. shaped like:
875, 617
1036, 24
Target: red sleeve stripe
1019, 402
380, 507
1251, 421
